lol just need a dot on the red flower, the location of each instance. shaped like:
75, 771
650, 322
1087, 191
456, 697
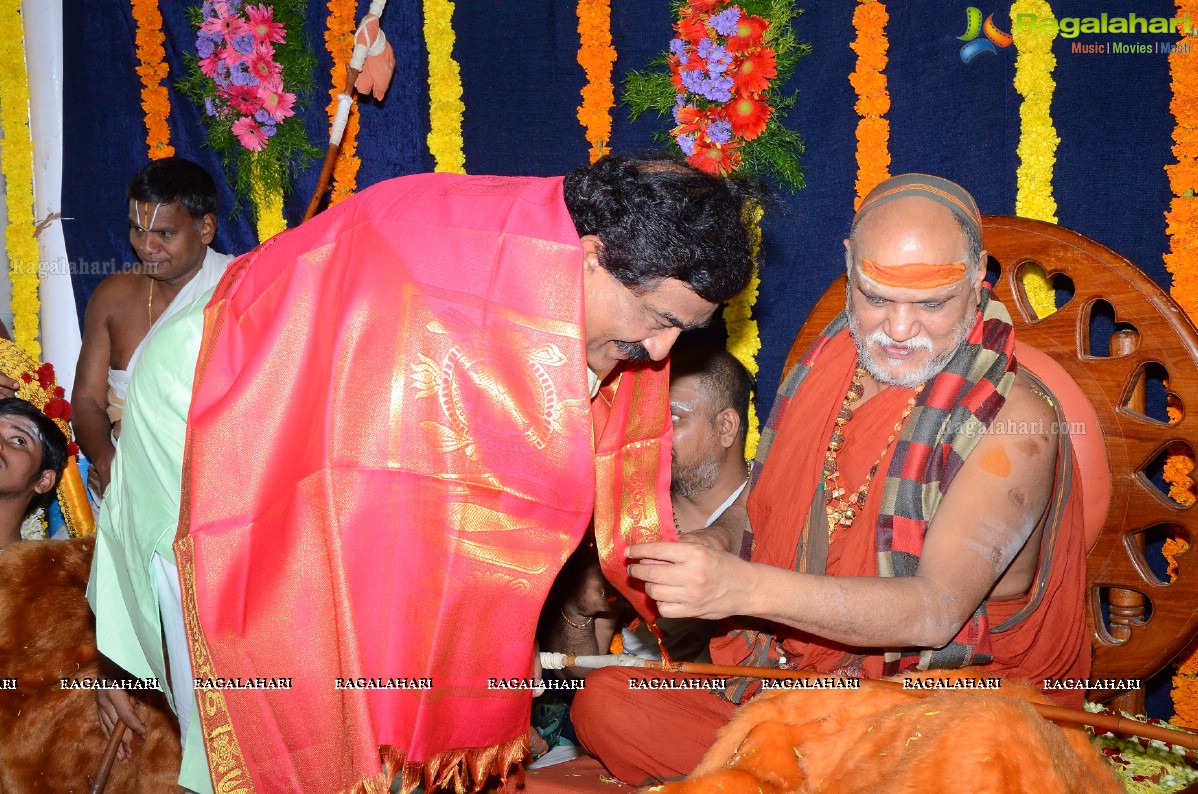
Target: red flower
692, 28
72, 450
714, 158
59, 391
748, 116
25, 376
54, 408
752, 74
749, 34
703, 6
45, 375
690, 119
675, 75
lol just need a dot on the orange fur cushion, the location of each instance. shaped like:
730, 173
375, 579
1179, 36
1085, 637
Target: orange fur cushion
881, 738
53, 741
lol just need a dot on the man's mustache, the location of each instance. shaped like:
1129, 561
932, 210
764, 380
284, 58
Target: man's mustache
633, 351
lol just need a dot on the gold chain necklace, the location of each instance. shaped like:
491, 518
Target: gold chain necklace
150, 304
842, 512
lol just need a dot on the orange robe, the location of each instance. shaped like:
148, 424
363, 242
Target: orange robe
633, 733
778, 507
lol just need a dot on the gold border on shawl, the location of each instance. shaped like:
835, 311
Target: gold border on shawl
626, 477
226, 761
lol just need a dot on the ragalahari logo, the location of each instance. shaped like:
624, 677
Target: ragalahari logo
991, 36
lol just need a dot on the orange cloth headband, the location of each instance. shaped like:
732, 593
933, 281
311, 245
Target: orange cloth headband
914, 275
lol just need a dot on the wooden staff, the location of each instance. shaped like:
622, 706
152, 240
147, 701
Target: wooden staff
114, 744
345, 101
330, 158
1058, 714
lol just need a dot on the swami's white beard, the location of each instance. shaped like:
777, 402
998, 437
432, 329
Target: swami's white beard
922, 374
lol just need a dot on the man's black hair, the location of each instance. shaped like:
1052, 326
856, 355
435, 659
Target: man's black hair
721, 376
53, 440
175, 179
660, 218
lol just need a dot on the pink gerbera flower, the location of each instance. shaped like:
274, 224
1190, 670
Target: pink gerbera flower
276, 102
209, 65
244, 99
263, 26
262, 64
224, 24
249, 134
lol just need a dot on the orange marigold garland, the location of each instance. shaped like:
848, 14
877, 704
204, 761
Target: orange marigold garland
155, 99
1182, 229
339, 40
596, 56
873, 100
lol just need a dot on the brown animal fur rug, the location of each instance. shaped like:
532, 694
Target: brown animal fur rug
887, 739
50, 737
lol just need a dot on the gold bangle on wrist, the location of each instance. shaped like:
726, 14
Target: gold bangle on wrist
566, 618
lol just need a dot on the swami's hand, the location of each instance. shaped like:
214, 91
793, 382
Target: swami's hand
8, 387
113, 704
691, 580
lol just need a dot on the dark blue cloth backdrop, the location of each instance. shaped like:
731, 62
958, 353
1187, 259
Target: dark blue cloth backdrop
521, 83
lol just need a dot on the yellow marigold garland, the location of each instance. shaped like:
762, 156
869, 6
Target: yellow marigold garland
596, 56
155, 99
16, 153
444, 88
339, 40
268, 208
1038, 138
873, 100
744, 339
1182, 229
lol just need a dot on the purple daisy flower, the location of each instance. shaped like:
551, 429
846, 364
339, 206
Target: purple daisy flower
717, 89
205, 46
719, 132
268, 129
244, 43
209, 106
678, 47
222, 77
704, 48
687, 144
693, 80
240, 75
725, 22
718, 60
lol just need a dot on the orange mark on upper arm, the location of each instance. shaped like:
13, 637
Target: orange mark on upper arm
995, 461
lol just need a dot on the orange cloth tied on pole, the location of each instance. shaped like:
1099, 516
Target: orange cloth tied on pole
390, 455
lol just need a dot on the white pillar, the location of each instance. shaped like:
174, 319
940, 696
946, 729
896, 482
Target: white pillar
59, 323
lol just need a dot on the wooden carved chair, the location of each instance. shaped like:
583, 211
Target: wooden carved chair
1139, 620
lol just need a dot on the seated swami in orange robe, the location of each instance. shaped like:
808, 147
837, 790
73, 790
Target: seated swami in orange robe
881, 425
